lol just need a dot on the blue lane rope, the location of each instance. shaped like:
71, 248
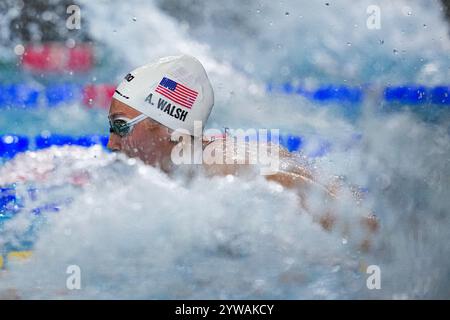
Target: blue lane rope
31, 96
418, 95
10, 144
406, 94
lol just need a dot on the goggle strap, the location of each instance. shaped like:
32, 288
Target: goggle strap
138, 119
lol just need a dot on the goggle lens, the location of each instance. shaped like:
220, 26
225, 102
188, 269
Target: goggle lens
120, 127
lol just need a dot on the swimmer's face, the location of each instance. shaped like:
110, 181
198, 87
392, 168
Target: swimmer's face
148, 140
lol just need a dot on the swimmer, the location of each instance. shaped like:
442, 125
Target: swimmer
156, 107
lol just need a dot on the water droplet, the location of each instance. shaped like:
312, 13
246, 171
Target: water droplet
258, 11
134, 19
395, 51
70, 43
349, 44
286, 13
381, 41
407, 11
327, 3
131, 161
19, 49
8, 139
47, 16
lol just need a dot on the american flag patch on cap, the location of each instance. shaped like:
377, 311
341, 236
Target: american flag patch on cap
177, 92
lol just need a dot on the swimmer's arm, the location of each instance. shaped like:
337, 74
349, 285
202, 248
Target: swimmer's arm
301, 183
296, 181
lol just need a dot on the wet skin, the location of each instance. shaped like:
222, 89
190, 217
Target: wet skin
148, 141
151, 142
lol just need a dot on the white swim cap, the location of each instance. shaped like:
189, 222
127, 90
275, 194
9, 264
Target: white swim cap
175, 91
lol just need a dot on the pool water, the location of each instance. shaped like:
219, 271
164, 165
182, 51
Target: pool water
136, 233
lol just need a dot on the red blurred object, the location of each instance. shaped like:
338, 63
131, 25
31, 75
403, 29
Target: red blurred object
56, 57
98, 95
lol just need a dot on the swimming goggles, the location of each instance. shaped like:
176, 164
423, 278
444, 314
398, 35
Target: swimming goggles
122, 127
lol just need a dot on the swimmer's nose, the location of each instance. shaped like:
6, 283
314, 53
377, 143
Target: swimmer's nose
114, 143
